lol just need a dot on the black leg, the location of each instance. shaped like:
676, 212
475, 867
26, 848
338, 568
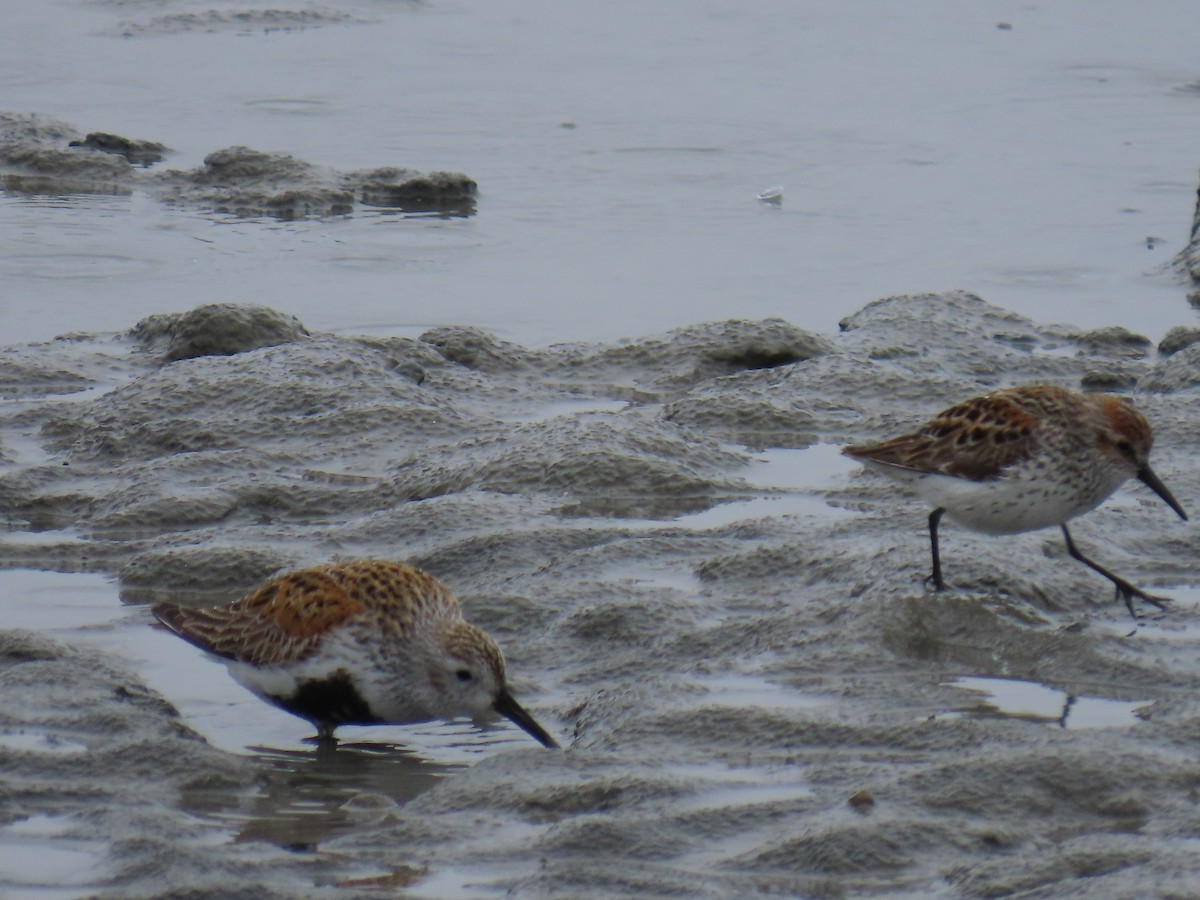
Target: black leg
1125, 590
936, 577
1067, 704
325, 734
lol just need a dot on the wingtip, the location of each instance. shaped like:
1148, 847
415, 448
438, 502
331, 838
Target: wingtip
179, 621
166, 616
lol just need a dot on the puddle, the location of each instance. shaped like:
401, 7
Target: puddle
39, 858
1012, 699
793, 483
306, 797
812, 468
51, 537
741, 691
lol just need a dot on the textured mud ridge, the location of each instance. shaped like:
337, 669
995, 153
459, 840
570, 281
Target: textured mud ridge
729, 630
239, 20
42, 155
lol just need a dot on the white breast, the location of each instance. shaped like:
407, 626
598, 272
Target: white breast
1021, 501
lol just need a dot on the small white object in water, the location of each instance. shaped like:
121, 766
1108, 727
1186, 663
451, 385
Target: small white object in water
774, 196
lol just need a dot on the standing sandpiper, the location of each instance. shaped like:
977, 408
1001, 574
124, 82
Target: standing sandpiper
1024, 458
356, 643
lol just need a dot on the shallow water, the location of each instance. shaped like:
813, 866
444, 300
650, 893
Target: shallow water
1038, 703
789, 482
39, 860
619, 153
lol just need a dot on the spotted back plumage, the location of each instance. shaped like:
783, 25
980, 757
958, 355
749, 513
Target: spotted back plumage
979, 438
285, 620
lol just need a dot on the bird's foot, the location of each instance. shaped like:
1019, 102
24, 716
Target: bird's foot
323, 738
1126, 591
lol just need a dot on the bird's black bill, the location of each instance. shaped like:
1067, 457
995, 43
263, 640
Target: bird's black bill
1150, 480
506, 704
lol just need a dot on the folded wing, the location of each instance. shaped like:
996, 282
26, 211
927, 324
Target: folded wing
976, 440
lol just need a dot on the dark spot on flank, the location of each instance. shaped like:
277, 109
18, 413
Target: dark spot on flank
962, 438
978, 434
334, 700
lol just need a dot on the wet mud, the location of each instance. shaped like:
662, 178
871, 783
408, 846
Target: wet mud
725, 623
40, 155
242, 21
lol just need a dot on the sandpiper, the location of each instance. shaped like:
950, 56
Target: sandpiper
1024, 458
356, 643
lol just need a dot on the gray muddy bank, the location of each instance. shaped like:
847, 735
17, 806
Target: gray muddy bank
754, 702
40, 155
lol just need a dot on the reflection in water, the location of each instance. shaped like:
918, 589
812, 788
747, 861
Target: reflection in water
787, 481
305, 797
45, 856
1011, 698
745, 690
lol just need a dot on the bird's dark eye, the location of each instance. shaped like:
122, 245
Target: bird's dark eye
463, 675
1125, 448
